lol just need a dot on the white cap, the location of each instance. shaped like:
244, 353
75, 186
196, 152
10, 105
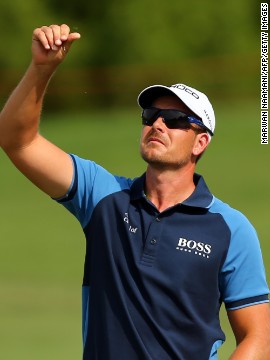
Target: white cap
195, 100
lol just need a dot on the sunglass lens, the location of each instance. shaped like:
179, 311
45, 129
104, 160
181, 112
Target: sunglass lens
179, 123
149, 116
173, 119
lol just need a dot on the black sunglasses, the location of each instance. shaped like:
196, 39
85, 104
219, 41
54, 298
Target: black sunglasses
173, 119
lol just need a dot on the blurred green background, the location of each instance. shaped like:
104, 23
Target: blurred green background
91, 110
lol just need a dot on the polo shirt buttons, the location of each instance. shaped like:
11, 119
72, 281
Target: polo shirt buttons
153, 241
158, 219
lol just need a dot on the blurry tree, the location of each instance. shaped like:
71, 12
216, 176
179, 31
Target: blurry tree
18, 18
132, 43
134, 31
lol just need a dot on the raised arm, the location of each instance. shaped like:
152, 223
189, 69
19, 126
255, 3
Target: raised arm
47, 166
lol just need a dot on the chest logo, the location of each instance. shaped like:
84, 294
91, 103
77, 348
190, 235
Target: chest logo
192, 246
130, 228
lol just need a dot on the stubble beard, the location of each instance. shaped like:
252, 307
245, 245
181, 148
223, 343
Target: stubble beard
162, 161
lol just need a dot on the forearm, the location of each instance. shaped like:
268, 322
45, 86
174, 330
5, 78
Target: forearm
252, 349
19, 119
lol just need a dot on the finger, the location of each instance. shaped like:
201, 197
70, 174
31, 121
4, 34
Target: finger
39, 35
67, 44
49, 34
56, 31
74, 36
64, 32
67, 35
71, 37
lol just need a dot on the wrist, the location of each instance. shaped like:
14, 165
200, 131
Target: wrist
42, 72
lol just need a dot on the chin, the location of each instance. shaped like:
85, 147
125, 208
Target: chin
157, 161
152, 156
160, 161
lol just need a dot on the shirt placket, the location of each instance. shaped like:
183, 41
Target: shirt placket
152, 242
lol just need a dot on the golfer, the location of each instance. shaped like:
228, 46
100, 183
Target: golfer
162, 252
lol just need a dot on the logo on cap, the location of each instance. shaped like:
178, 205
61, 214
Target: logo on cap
185, 88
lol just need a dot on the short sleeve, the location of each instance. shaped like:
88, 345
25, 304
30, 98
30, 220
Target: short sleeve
91, 182
242, 278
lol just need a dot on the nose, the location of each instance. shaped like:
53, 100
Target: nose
159, 124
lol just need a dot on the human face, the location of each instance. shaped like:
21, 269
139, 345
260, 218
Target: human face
168, 148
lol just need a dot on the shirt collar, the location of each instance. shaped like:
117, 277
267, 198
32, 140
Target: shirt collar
200, 198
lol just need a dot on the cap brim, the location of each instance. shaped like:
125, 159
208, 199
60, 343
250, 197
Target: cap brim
148, 95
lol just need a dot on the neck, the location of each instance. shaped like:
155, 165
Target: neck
168, 187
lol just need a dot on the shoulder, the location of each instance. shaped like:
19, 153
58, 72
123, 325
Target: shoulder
88, 172
234, 218
91, 183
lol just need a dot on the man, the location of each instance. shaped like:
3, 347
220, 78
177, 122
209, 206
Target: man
162, 252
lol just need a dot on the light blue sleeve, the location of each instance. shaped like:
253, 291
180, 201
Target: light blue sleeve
242, 277
91, 183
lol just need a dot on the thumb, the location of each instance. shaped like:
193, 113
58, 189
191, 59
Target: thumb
66, 43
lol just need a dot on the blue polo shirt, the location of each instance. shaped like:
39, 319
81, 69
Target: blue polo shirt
154, 281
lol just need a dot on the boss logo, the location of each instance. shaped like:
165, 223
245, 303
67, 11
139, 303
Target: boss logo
183, 87
192, 246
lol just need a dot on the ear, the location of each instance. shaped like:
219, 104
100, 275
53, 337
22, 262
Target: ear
201, 142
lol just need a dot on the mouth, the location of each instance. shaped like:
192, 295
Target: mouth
154, 139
